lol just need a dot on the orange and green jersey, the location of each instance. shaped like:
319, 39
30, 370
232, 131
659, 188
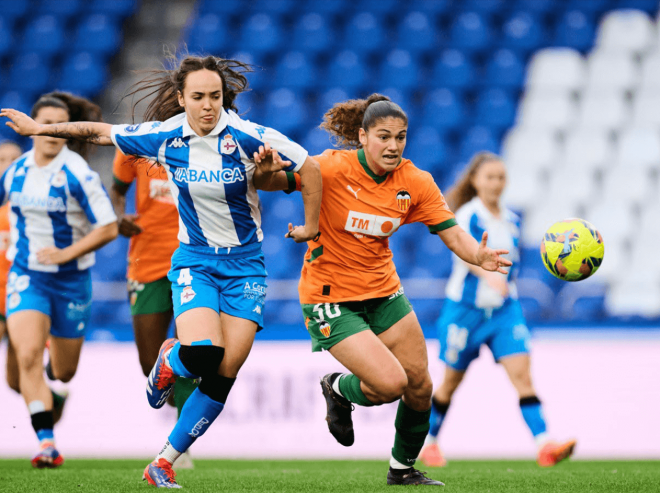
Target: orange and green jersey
149, 252
5, 264
352, 261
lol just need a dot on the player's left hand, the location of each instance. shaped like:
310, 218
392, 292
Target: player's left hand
489, 259
52, 256
301, 234
268, 160
20, 122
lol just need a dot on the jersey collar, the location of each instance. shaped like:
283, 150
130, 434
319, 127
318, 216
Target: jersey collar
220, 126
55, 165
363, 161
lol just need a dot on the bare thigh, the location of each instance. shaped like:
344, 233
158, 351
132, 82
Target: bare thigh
518, 368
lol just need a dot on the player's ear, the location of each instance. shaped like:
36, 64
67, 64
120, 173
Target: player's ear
362, 136
179, 96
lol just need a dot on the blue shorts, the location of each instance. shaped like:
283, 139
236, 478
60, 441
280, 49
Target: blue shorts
65, 298
463, 328
232, 281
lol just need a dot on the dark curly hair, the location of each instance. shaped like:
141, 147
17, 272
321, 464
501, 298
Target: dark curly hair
344, 120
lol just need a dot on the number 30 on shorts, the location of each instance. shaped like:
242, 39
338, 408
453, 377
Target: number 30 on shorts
184, 277
331, 310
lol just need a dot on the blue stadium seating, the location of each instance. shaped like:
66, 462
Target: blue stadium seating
258, 79
433, 7
380, 6
334, 8
98, 34
505, 69
316, 141
44, 36
443, 110
64, 9
496, 108
83, 74
261, 33
478, 138
313, 34
401, 97
417, 33
401, 68
295, 71
30, 74
13, 10
470, 31
327, 100
347, 70
117, 8
540, 6
222, 7
484, 6
6, 37
427, 149
575, 30
453, 69
285, 111
523, 32
591, 7
365, 32
210, 34
275, 7
648, 6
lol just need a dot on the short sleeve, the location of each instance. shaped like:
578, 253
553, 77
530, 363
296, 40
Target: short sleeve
430, 207
142, 139
124, 168
92, 197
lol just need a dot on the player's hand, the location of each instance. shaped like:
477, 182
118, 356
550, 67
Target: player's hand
301, 234
268, 160
498, 283
20, 122
53, 256
489, 259
128, 226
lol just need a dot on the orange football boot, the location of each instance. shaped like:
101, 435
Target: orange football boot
551, 453
431, 456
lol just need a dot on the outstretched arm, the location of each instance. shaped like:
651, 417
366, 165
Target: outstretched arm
92, 241
93, 132
467, 249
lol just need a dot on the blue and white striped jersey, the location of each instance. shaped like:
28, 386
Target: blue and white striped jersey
503, 233
54, 205
210, 177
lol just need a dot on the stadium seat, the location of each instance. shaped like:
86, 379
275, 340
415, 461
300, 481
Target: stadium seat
588, 148
426, 149
560, 68
64, 9
116, 8
648, 6
434, 7
523, 32
523, 190
629, 184
580, 189
6, 37
650, 77
416, 33
98, 34
631, 297
434, 256
645, 107
275, 7
29, 74
44, 36
381, 6
470, 31
316, 141
582, 301
526, 149
337, 7
402, 98
575, 30
83, 74
615, 224
485, 6
312, 34
505, 69
495, 108
347, 69
365, 33
285, 111
592, 8
454, 70
401, 68
605, 109
612, 70
639, 147
544, 215
221, 7
261, 33
258, 78
16, 100
540, 6
209, 34
295, 71
443, 110
626, 31
13, 11
329, 98
478, 138
546, 109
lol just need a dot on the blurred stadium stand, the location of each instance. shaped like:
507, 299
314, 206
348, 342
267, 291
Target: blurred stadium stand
566, 90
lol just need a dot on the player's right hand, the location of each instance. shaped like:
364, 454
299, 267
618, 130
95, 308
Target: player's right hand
127, 225
300, 234
20, 122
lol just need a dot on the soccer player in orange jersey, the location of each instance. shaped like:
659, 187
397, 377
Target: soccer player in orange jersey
352, 299
156, 222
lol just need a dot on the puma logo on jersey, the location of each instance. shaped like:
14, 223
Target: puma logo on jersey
354, 192
370, 224
177, 142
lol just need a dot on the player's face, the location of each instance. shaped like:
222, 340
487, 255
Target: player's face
489, 181
8, 154
49, 147
202, 100
383, 144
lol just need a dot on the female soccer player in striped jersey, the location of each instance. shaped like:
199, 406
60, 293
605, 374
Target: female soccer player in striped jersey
351, 296
218, 274
483, 308
60, 214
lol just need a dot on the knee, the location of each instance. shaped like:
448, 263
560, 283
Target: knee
65, 375
522, 381
29, 358
392, 388
202, 361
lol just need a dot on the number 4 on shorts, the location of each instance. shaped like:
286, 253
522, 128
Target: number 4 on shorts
184, 277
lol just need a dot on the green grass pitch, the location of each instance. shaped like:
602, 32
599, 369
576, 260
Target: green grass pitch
84, 475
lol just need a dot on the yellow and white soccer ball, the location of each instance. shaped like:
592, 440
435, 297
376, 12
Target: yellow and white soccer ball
572, 250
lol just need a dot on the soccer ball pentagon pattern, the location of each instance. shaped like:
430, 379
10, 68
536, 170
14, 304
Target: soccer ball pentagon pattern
572, 250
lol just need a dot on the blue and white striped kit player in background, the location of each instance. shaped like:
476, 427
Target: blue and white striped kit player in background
218, 274
483, 308
60, 213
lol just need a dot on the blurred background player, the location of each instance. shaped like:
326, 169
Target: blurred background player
60, 215
153, 239
351, 295
483, 308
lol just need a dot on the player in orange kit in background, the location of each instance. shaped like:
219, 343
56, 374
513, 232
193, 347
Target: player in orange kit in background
153, 234
9, 152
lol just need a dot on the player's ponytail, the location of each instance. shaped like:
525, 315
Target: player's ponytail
344, 120
164, 84
463, 190
79, 109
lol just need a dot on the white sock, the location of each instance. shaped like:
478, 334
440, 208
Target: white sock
36, 407
335, 385
430, 440
395, 464
541, 439
169, 453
